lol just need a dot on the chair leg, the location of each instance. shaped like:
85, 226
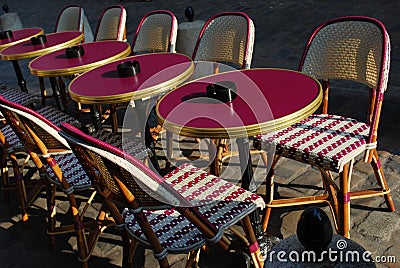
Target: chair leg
344, 201
269, 196
254, 249
20, 187
380, 178
4, 175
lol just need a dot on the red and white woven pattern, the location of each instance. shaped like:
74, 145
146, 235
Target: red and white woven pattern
71, 170
329, 141
221, 202
135, 149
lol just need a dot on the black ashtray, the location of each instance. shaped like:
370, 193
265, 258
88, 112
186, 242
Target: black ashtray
6, 34
74, 52
38, 40
128, 68
224, 91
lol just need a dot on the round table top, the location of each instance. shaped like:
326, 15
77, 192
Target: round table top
55, 41
98, 53
20, 36
267, 100
159, 72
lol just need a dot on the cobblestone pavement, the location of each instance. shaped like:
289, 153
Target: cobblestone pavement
282, 28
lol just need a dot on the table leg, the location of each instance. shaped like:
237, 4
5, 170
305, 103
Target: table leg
56, 93
247, 176
142, 109
96, 117
20, 77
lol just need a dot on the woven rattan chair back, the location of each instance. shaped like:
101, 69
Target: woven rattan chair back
108, 165
70, 19
112, 24
355, 49
227, 38
33, 129
157, 32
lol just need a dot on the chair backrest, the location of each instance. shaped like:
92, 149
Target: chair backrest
35, 131
157, 32
120, 172
354, 48
228, 38
70, 19
112, 24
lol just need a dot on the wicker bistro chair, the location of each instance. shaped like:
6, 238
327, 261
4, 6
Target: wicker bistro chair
156, 32
40, 138
112, 24
225, 42
170, 214
348, 48
10, 147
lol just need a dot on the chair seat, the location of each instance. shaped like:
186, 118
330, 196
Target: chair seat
18, 96
72, 171
176, 234
12, 139
328, 141
56, 116
138, 150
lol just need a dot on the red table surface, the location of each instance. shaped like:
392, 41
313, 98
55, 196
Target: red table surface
262, 95
53, 39
94, 52
20, 34
155, 69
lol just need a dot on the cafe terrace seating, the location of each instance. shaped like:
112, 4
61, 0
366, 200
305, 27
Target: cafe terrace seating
355, 49
41, 139
177, 213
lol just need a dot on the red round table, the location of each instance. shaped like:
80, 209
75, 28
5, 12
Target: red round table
20, 36
26, 49
159, 72
95, 54
267, 100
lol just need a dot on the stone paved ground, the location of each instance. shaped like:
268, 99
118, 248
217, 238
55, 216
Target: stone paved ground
282, 28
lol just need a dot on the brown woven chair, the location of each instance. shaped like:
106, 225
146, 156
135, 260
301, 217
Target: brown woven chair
177, 213
11, 148
355, 49
40, 138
